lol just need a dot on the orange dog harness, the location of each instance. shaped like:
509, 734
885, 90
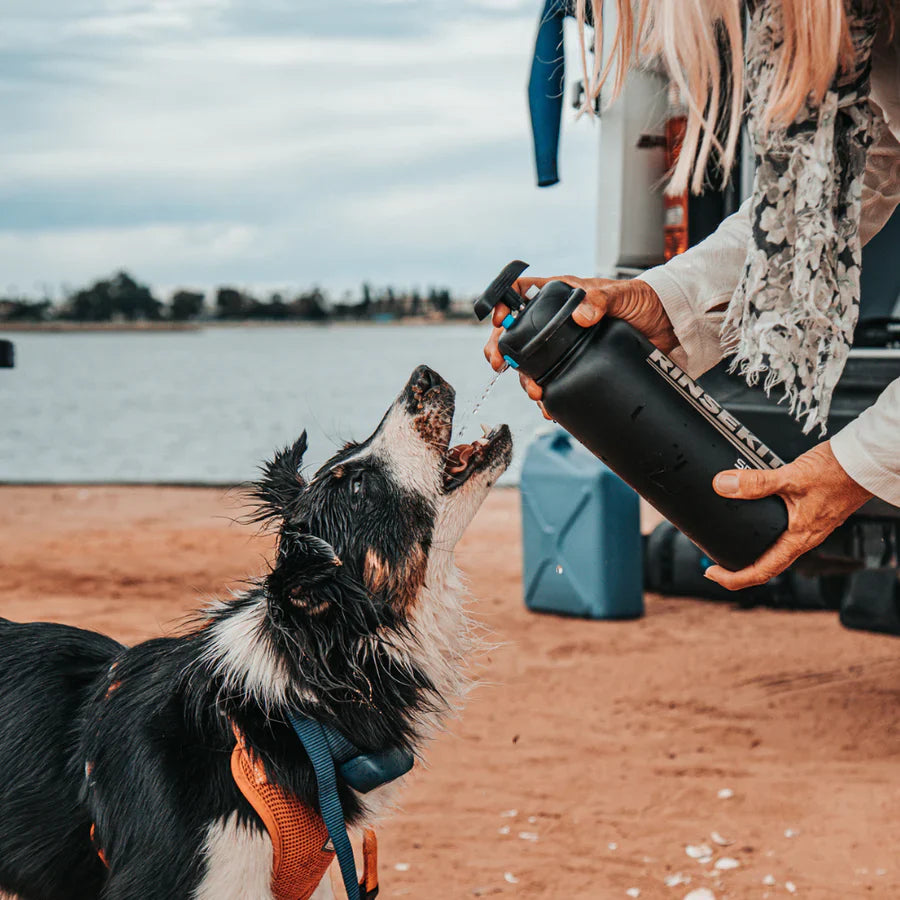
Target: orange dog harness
301, 849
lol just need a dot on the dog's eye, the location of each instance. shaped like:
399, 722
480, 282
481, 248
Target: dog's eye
356, 485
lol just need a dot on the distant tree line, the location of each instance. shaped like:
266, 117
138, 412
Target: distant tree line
123, 299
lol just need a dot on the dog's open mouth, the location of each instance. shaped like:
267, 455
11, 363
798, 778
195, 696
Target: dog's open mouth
464, 460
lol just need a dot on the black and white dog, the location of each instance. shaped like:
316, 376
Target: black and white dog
359, 624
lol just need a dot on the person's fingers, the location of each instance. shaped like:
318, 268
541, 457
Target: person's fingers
501, 311
523, 285
544, 412
591, 309
492, 351
750, 484
773, 562
531, 387
489, 345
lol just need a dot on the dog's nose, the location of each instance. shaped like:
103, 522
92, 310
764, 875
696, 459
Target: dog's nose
425, 378
426, 383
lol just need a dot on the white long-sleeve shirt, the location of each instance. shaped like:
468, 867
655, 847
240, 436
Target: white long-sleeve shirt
696, 286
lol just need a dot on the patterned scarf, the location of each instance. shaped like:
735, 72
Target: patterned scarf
793, 314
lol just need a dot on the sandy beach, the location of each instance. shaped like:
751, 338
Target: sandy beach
591, 755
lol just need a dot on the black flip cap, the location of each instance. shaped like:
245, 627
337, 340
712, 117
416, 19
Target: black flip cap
501, 290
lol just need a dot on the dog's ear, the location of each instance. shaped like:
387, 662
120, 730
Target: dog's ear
301, 546
306, 564
281, 483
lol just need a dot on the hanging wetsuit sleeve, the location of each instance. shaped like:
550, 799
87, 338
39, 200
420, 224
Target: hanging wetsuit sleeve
545, 91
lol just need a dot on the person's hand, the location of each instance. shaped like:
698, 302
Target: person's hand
633, 300
819, 496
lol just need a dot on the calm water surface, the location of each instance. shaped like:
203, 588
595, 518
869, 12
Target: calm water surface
208, 406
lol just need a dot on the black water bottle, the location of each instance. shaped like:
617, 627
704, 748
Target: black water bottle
631, 406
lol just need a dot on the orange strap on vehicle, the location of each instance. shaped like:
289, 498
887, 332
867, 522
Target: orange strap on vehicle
300, 844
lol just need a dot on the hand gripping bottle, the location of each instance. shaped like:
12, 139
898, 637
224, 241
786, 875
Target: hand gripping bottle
632, 407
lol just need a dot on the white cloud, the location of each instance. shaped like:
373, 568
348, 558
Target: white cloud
223, 106
85, 253
132, 24
165, 141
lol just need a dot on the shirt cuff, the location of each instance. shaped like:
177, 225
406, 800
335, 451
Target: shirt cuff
700, 347
866, 471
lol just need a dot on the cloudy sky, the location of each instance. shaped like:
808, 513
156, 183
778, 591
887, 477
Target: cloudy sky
276, 143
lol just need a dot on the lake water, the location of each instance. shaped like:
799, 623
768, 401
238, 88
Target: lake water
208, 406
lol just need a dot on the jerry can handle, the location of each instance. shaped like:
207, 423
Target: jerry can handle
562, 440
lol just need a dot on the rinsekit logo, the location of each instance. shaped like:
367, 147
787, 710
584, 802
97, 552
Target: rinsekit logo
755, 453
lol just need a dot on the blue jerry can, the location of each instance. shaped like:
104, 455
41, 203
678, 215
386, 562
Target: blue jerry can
581, 533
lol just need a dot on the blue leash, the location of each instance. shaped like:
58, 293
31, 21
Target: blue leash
312, 736
327, 749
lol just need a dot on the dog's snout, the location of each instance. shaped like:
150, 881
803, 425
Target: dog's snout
429, 402
425, 382
426, 378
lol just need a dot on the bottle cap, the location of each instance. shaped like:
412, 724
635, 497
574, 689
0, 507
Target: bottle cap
501, 290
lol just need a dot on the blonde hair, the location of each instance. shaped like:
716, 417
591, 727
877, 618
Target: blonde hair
689, 37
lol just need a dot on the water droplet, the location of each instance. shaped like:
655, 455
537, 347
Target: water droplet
487, 391
464, 420
559, 570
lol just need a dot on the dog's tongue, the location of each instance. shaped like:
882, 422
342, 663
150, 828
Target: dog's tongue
458, 458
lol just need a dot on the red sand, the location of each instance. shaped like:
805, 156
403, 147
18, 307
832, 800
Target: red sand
611, 740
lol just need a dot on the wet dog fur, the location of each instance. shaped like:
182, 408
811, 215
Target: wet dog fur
359, 623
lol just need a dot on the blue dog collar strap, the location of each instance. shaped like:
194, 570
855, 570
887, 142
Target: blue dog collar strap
341, 749
367, 771
315, 741
364, 772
